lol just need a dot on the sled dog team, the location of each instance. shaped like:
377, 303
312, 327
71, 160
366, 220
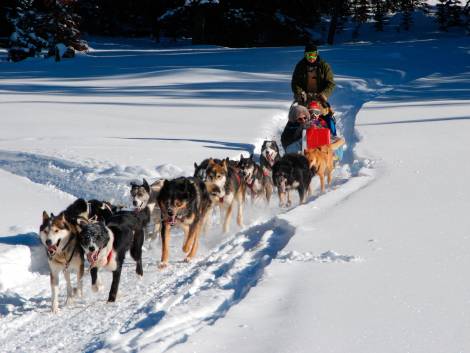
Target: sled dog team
103, 233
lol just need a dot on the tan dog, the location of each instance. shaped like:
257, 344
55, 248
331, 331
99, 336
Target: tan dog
321, 161
225, 188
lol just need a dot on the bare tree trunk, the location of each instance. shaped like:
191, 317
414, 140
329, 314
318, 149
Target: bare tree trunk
334, 21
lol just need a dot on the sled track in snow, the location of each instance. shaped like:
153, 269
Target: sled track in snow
70, 177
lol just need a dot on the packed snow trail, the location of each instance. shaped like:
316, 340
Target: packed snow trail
158, 311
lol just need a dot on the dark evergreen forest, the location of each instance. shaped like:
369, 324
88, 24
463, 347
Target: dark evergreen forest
29, 27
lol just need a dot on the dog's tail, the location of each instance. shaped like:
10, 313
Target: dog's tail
337, 144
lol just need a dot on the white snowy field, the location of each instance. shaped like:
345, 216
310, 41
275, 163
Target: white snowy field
379, 263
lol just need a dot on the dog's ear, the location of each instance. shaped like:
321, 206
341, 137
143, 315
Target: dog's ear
251, 156
241, 157
195, 165
45, 217
62, 217
133, 185
146, 185
82, 221
225, 164
305, 152
107, 206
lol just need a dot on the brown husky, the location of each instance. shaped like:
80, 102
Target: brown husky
184, 202
59, 236
225, 187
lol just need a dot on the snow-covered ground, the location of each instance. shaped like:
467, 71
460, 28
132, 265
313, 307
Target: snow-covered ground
377, 264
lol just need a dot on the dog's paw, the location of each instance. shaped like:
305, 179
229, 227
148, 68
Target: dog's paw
69, 301
77, 293
162, 265
185, 248
96, 287
188, 259
55, 309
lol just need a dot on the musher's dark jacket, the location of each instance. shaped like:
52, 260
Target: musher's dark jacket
325, 79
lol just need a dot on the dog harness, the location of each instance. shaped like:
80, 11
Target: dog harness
108, 258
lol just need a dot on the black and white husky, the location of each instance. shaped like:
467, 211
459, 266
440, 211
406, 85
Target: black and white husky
59, 234
269, 156
106, 245
292, 172
257, 183
144, 197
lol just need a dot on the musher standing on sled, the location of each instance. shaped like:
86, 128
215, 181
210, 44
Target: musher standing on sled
312, 78
312, 81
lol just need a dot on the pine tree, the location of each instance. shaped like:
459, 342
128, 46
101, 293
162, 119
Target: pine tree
454, 12
337, 11
466, 15
442, 15
26, 39
407, 8
62, 26
379, 11
39, 26
360, 14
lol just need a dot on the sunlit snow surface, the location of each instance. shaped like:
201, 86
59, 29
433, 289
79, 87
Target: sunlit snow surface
379, 263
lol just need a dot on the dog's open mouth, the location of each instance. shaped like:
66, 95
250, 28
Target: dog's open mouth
51, 250
172, 220
270, 158
92, 257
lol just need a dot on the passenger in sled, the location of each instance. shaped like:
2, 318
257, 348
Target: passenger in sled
302, 118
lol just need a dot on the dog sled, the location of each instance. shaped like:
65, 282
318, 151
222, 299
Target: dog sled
318, 123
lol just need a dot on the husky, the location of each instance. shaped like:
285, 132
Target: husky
226, 187
184, 202
91, 209
292, 172
200, 170
106, 245
256, 182
101, 211
269, 156
144, 197
59, 236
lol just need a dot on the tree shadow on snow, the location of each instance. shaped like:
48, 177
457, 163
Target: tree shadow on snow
219, 145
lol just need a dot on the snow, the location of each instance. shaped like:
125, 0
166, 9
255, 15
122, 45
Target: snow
376, 264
